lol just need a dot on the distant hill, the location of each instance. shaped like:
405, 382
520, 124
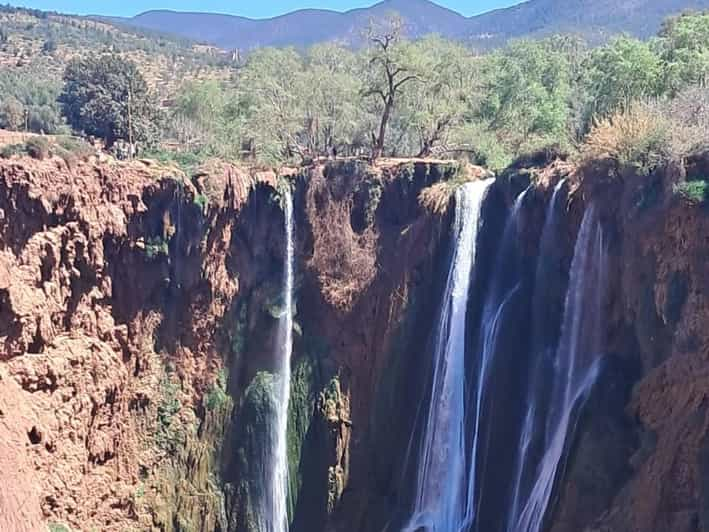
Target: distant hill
38, 45
594, 19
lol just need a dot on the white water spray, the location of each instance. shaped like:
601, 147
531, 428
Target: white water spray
441, 493
276, 520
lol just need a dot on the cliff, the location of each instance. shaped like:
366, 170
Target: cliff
138, 313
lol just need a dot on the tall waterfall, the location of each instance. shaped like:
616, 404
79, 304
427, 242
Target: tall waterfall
441, 487
275, 516
504, 285
575, 368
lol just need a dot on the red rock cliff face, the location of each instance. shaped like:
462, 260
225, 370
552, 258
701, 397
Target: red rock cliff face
113, 284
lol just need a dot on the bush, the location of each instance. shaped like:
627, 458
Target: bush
11, 150
38, 148
634, 138
694, 192
76, 146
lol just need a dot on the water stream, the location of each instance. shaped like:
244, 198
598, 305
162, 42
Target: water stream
441, 487
275, 515
575, 368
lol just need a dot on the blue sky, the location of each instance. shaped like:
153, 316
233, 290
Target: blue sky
248, 8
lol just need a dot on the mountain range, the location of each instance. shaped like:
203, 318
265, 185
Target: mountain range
595, 20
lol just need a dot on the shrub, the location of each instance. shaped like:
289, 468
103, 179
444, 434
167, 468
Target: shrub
202, 202
12, 149
635, 138
156, 246
694, 192
76, 146
38, 148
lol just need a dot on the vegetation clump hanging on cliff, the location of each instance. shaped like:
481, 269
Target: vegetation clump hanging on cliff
345, 261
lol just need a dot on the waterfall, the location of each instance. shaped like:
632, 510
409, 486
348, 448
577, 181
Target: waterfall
545, 338
440, 491
275, 515
575, 368
496, 302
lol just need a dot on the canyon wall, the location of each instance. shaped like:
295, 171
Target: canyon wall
138, 312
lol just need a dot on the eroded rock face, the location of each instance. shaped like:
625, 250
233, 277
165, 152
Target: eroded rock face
137, 320
113, 286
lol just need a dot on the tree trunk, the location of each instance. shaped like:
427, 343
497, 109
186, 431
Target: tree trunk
378, 148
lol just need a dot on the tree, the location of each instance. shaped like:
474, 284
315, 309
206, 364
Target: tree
432, 108
12, 114
106, 96
526, 94
332, 115
685, 51
272, 97
390, 71
621, 72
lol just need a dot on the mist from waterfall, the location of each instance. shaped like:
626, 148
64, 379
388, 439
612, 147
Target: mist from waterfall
573, 373
441, 492
274, 514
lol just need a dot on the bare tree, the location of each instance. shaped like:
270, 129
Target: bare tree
391, 70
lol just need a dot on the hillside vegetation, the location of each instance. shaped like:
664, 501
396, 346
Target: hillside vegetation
399, 97
594, 20
36, 46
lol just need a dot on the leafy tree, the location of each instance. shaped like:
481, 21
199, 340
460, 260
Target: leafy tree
37, 97
526, 94
435, 106
333, 120
391, 69
621, 72
12, 114
272, 98
106, 96
685, 51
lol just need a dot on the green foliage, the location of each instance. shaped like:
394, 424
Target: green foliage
106, 96
217, 397
29, 101
695, 192
156, 246
623, 71
10, 150
304, 385
37, 147
685, 51
169, 434
526, 94
202, 201
58, 527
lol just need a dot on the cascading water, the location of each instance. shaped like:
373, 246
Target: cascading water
546, 325
505, 284
441, 491
275, 512
576, 366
